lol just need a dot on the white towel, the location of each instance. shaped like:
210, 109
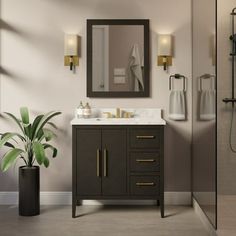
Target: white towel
177, 106
207, 105
135, 69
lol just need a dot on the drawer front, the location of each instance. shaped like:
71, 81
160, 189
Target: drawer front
144, 161
145, 138
145, 185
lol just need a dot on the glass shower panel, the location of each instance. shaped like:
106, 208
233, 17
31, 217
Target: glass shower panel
204, 106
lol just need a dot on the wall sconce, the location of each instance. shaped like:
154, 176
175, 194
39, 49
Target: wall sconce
71, 50
164, 50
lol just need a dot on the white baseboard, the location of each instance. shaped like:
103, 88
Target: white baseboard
208, 226
64, 198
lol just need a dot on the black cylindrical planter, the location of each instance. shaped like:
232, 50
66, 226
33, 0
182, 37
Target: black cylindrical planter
29, 191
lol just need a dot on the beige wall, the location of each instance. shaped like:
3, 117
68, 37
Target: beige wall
226, 158
32, 36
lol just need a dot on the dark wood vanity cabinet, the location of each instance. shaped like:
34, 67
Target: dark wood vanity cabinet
118, 162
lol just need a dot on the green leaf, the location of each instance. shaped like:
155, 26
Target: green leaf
40, 134
46, 162
39, 152
45, 119
3, 135
35, 125
9, 145
48, 134
9, 158
18, 122
24, 115
7, 136
27, 129
54, 150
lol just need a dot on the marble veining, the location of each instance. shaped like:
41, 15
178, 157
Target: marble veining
141, 116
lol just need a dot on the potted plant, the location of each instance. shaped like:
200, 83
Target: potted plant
29, 145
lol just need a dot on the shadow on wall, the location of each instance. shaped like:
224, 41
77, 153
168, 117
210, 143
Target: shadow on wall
122, 8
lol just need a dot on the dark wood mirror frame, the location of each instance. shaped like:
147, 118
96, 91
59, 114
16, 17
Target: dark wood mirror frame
145, 23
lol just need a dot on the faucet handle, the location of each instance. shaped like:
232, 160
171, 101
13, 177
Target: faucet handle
127, 114
108, 114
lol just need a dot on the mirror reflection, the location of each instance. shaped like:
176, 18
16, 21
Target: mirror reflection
118, 58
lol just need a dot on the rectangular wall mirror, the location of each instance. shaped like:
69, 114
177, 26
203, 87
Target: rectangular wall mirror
118, 58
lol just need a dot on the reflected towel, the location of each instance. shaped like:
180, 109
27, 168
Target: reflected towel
177, 109
207, 105
135, 69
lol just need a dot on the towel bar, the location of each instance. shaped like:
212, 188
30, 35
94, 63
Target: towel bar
177, 76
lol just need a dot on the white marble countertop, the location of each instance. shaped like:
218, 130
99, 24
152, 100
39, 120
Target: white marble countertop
141, 117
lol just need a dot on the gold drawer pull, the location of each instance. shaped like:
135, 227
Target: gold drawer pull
105, 163
98, 163
145, 136
145, 160
145, 184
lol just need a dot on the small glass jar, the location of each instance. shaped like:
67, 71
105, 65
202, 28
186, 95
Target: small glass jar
87, 111
80, 110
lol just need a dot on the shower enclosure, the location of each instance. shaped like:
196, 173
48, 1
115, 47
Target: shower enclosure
204, 108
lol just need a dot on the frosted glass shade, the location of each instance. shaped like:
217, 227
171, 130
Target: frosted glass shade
71, 45
164, 45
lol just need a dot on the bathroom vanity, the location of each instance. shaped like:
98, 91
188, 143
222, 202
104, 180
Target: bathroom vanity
119, 158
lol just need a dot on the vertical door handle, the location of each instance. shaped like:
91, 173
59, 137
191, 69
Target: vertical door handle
105, 163
98, 162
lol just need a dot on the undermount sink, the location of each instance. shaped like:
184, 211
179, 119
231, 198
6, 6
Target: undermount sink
116, 119
140, 117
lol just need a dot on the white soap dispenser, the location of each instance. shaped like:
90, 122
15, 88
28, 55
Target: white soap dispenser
87, 111
80, 110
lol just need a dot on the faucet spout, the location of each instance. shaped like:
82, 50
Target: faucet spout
117, 112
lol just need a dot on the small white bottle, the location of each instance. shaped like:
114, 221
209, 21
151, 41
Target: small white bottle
87, 111
80, 110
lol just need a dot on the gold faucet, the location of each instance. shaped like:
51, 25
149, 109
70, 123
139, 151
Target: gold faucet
108, 114
117, 112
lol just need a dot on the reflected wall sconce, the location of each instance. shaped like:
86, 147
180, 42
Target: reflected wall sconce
71, 50
164, 50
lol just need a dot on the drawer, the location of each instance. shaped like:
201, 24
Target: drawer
144, 161
144, 185
145, 138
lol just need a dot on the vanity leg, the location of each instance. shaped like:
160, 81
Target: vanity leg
158, 202
74, 207
162, 206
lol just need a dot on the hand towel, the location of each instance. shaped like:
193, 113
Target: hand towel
135, 69
177, 106
207, 105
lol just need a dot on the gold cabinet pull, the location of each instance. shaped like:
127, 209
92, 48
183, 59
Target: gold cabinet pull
145, 136
145, 160
145, 184
98, 163
105, 163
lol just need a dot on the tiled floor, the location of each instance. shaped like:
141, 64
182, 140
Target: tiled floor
226, 215
102, 221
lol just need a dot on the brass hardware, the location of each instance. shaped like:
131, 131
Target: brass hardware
98, 163
67, 60
127, 114
160, 61
145, 136
109, 115
145, 184
117, 112
145, 160
105, 163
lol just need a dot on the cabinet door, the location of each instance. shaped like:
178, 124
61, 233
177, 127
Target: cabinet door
114, 162
88, 161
